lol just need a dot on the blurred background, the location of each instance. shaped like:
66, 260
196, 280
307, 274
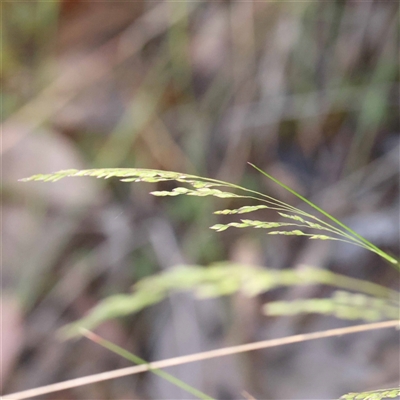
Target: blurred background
307, 91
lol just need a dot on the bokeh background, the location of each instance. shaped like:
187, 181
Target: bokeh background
307, 91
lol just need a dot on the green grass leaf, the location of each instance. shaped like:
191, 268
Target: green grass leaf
137, 360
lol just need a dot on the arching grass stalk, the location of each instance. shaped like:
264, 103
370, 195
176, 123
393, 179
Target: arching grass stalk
369, 245
202, 187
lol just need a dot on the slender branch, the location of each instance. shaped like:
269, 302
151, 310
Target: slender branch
197, 357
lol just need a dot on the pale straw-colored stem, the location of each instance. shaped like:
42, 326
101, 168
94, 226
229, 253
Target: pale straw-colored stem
197, 357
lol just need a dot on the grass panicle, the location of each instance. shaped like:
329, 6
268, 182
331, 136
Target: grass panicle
342, 304
221, 279
357, 299
382, 394
202, 187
